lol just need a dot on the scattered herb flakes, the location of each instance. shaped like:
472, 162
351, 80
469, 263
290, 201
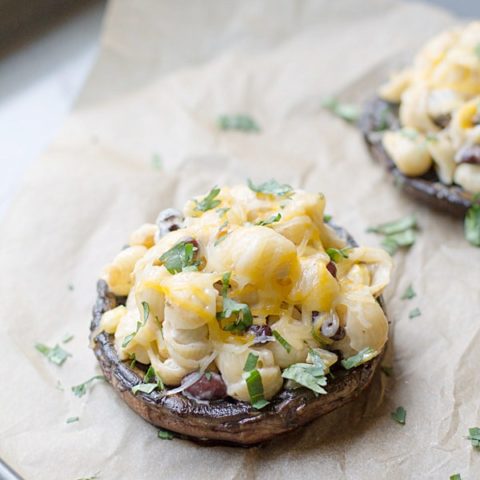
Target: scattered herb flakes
149, 375
70, 287
472, 222
347, 111
399, 415
361, 357
251, 362
414, 313
409, 133
144, 388
56, 355
81, 389
477, 50
209, 201
242, 122
67, 338
409, 293
282, 341
157, 161
255, 389
222, 211
180, 257
59, 386
72, 419
133, 360
307, 375
271, 187
388, 371
456, 476
165, 434
396, 226
270, 220
400, 233
208, 375
327, 218
93, 477
336, 254
474, 437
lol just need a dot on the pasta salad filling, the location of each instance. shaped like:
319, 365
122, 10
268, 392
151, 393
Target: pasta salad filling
439, 110
247, 292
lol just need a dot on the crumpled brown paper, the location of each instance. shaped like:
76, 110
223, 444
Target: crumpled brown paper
167, 69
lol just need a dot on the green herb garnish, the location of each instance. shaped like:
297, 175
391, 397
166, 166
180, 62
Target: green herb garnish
133, 360
81, 390
409, 293
271, 187
361, 357
347, 111
400, 233
244, 123
149, 375
208, 375
474, 436
93, 477
392, 243
251, 362
327, 218
336, 254
240, 311
222, 211
270, 220
472, 222
414, 313
456, 476
477, 50
56, 355
311, 376
67, 338
399, 415
72, 419
151, 381
157, 161
255, 389
282, 341
396, 226
144, 388
180, 257
165, 435
146, 313
209, 201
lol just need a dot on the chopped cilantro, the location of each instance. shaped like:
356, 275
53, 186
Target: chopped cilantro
146, 313
67, 338
271, 187
81, 389
208, 375
456, 476
165, 434
400, 233
242, 122
396, 226
282, 341
251, 362
209, 201
477, 50
270, 220
409, 293
144, 388
222, 211
472, 222
72, 419
414, 313
361, 357
180, 257
255, 389
56, 355
93, 477
347, 111
474, 437
311, 376
327, 218
133, 360
336, 254
399, 415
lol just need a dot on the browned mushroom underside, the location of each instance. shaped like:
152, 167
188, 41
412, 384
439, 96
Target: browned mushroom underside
379, 115
222, 421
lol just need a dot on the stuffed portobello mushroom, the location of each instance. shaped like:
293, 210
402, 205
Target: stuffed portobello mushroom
243, 317
425, 122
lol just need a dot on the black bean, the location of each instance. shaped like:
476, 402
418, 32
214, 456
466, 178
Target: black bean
169, 220
210, 386
469, 154
332, 268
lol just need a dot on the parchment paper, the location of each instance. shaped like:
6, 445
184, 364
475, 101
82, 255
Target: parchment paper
166, 70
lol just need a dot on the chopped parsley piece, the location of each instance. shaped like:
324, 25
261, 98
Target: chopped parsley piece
157, 161
399, 415
93, 477
388, 371
133, 360
208, 375
456, 476
311, 376
222, 211
180, 257
149, 375
231, 308
255, 389
165, 435
81, 390
321, 339
271, 187
414, 313
336, 254
396, 226
361, 357
242, 122
472, 222
282, 341
72, 419
67, 338
477, 50
474, 436
327, 218
251, 362
56, 355
144, 388
270, 220
151, 381
209, 201
347, 111
400, 233
409, 293
391, 243
146, 313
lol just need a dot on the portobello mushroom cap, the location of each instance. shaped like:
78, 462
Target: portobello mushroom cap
226, 421
379, 115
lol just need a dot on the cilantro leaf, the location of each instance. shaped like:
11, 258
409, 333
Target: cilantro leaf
282, 341
180, 257
414, 313
311, 376
81, 389
251, 362
361, 357
144, 388
347, 111
209, 201
336, 254
165, 434
146, 313
399, 415
456, 476
409, 293
477, 50
255, 389
472, 223
474, 437
56, 354
396, 226
271, 187
242, 122
327, 218
270, 220
72, 419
